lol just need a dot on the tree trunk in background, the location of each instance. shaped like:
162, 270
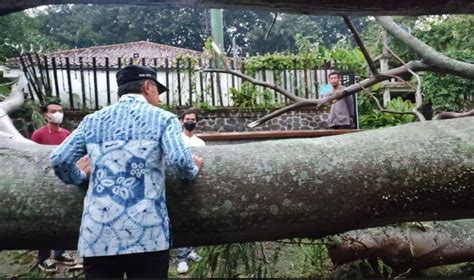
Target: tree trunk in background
320, 7
408, 245
268, 190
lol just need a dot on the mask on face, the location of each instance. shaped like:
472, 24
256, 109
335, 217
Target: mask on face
189, 126
56, 117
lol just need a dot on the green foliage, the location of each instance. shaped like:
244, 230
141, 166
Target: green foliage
384, 269
246, 97
234, 260
347, 57
21, 28
325, 31
447, 32
451, 35
250, 97
288, 258
204, 105
32, 110
185, 62
341, 54
276, 62
63, 26
371, 117
4, 91
316, 262
447, 92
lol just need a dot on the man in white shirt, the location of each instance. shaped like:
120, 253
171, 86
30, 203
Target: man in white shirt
189, 119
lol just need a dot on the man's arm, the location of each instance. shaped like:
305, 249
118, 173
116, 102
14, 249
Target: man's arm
177, 153
63, 158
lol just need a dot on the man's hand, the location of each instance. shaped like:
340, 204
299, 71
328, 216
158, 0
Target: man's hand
84, 165
197, 161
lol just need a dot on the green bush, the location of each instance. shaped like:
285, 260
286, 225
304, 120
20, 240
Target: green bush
250, 97
447, 92
372, 117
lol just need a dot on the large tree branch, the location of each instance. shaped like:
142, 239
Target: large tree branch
321, 7
10, 104
13, 101
248, 78
453, 115
433, 61
410, 67
303, 102
361, 45
407, 246
267, 191
429, 55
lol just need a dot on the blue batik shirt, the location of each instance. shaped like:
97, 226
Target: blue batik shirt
127, 143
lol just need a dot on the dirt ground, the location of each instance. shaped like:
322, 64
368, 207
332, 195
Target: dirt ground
23, 264
293, 261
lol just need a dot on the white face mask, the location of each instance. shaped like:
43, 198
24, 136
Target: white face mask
56, 117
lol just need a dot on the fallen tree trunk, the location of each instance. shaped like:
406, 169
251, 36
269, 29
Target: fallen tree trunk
408, 246
321, 7
268, 190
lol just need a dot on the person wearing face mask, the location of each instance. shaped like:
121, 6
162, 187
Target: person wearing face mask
51, 134
189, 119
125, 225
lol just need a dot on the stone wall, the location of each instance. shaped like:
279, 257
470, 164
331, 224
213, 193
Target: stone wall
233, 120
222, 120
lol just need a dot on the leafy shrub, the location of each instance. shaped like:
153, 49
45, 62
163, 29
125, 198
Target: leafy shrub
342, 54
372, 117
447, 92
250, 97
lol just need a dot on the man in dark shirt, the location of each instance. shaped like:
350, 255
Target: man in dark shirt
341, 115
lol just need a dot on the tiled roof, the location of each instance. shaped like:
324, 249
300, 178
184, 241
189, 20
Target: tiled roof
154, 55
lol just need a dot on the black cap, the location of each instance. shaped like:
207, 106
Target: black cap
138, 72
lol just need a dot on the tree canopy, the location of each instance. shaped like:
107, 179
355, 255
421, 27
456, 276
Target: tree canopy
64, 26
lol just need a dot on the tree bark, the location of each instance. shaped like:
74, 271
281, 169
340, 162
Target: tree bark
408, 246
321, 7
14, 101
453, 115
268, 190
429, 55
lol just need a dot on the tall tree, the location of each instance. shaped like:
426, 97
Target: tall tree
19, 28
184, 27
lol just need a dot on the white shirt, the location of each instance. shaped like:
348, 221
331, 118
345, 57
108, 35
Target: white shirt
193, 141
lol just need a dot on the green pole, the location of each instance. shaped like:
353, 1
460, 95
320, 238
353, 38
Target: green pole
217, 32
